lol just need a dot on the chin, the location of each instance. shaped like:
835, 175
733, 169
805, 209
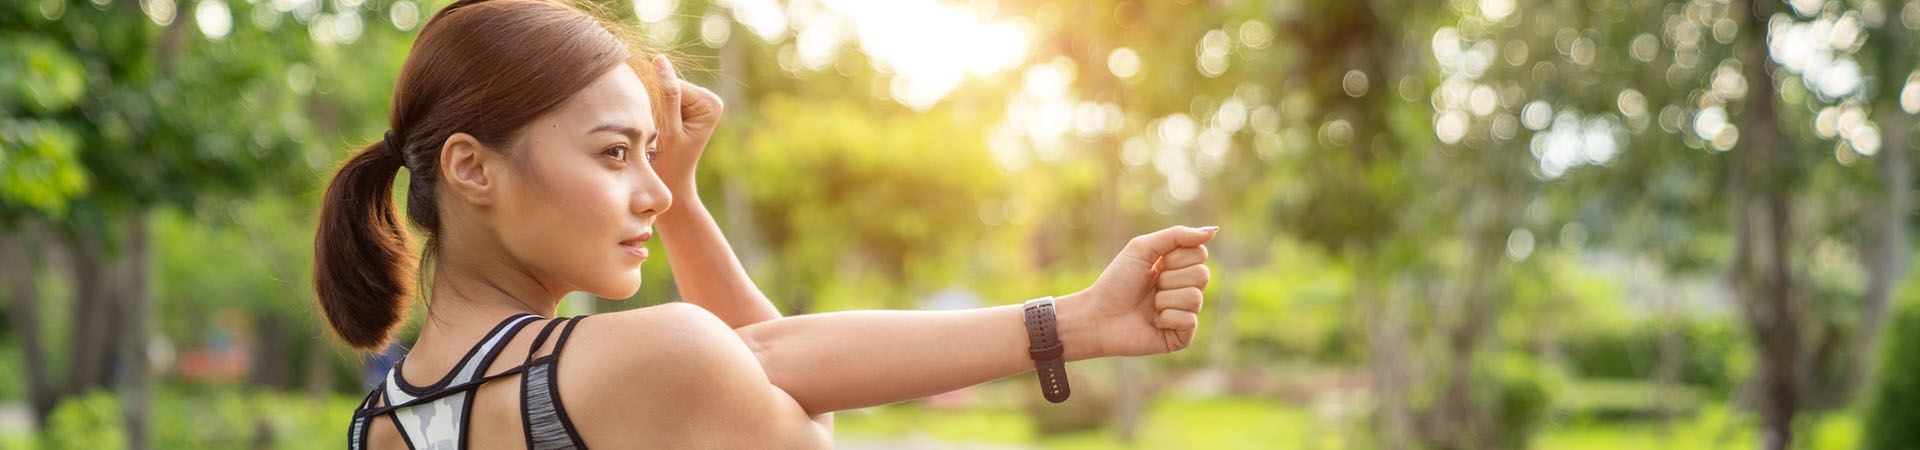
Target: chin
619, 290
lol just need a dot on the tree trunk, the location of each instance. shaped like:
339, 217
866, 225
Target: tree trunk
269, 349
135, 371
1760, 272
91, 338
1464, 423
21, 254
319, 368
1886, 256
1388, 359
1666, 375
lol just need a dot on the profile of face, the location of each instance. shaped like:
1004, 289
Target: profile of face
574, 200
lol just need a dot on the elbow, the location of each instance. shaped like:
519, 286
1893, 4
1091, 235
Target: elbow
783, 370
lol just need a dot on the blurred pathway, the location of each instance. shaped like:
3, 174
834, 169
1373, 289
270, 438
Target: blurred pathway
15, 418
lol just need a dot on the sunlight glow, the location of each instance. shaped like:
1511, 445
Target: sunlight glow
1574, 140
1123, 62
213, 18
763, 17
651, 11
1820, 51
931, 47
161, 11
404, 14
1495, 10
1910, 95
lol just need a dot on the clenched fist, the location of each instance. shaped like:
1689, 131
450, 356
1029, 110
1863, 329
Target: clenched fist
687, 118
1148, 300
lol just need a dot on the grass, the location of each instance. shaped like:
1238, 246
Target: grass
1716, 427
1238, 423
1211, 423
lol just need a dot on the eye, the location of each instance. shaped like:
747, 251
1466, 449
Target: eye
618, 152
652, 155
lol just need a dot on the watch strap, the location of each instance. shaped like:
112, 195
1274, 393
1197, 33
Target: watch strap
1046, 350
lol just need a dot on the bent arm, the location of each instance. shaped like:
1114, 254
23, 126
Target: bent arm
855, 359
705, 268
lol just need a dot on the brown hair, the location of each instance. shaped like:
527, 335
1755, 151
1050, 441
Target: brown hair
486, 68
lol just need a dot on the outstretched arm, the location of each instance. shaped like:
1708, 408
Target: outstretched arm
1146, 302
855, 359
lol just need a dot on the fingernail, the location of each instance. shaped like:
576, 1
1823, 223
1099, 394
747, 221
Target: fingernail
1210, 228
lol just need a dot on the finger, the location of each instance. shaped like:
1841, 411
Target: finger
1188, 299
1184, 256
1191, 276
1176, 341
1177, 320
698, 102
669, 93
1149, 247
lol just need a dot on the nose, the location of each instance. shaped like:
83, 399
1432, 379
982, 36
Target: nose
650, 195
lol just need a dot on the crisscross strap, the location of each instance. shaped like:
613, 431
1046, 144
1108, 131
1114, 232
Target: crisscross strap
444, 422
357, 430
547, 424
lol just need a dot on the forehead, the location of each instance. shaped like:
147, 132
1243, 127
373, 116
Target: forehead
617, 97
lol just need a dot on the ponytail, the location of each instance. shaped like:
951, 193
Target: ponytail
363, 263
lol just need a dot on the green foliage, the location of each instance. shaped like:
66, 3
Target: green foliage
1890, 420
13, 377
1297, 306
1627, 401
195, 417
839, 190
1526, 395
1708, 353
90, 421
39, 157
252, 257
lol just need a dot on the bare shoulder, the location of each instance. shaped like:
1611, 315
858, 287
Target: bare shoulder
673, 375
671, 323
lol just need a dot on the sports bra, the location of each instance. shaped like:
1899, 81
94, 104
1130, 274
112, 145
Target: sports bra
436, 416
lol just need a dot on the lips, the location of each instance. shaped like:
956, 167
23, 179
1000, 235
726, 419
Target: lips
638, 240
637, 245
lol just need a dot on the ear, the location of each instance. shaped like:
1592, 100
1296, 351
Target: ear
469, 169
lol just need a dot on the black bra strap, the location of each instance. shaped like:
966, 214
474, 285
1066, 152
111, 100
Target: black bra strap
378, 389
446, 391
565, 333
545, 332
475, 383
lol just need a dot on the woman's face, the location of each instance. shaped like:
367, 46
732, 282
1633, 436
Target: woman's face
579, 205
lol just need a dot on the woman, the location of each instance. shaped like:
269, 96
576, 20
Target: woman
540, 153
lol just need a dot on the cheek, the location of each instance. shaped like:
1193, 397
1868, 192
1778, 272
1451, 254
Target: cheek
576, 222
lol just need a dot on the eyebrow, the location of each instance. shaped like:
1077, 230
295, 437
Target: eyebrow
631, 132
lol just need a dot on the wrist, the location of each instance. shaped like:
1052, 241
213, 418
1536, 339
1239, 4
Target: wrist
686, 207
1079, 330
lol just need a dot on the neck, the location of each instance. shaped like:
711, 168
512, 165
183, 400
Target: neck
474, 288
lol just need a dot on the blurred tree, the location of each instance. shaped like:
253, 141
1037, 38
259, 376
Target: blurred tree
1886, 246
128, 107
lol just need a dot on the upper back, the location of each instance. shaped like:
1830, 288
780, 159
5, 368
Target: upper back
671, 375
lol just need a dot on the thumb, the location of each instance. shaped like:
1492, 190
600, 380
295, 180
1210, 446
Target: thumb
1148, 248
669, 94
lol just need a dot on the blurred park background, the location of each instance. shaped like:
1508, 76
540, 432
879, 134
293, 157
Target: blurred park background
1448, 224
